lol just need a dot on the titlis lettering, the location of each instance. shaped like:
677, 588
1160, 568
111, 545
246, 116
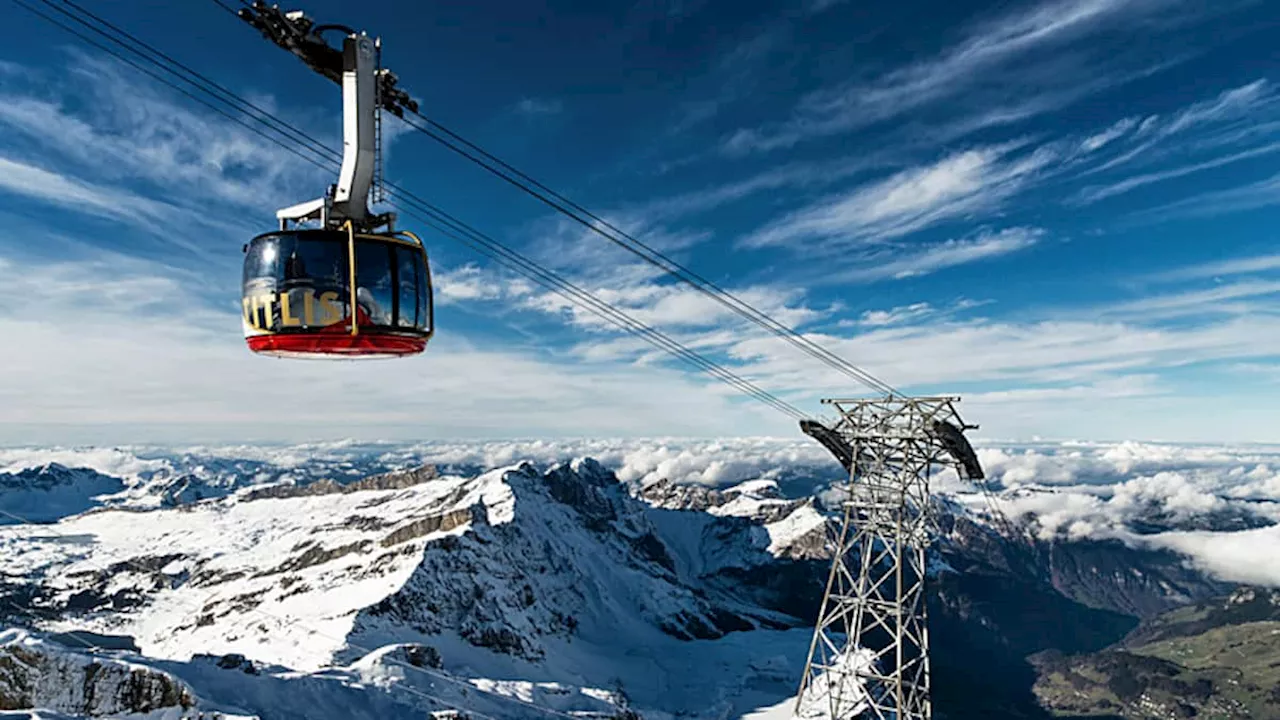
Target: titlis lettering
297, 308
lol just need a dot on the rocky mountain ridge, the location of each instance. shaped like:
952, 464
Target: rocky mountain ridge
662, 598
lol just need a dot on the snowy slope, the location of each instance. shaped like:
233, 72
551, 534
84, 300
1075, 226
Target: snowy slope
81, 682
795, 528
525, 583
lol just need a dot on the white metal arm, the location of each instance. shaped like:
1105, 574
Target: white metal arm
366, 88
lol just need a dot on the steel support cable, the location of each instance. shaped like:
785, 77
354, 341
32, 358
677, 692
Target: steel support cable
453, 228
598, 225
90, 41
202, 82
593, 222
446, 225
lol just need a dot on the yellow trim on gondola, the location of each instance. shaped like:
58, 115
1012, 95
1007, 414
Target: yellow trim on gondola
426, 268
351, 252
392, 239
256, 303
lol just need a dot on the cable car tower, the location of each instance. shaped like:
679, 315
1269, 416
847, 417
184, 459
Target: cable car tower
869, 657
354, 287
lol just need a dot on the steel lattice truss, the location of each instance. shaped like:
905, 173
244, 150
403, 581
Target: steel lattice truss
869, 657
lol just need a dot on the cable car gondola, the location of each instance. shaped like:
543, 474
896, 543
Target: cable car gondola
353, 287
300, 286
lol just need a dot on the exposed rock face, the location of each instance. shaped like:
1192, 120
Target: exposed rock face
49, 492
52, 476
398, 480
1158, 519
574, 550
669, 495
1101, 574
1142, 583
184, 490
34, 674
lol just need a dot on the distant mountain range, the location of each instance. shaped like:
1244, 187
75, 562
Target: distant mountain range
376, 588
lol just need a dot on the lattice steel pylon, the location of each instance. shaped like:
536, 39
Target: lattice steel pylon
869, 657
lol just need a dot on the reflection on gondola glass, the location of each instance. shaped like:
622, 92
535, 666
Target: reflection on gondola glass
410, 286
422, 271
375, 294
297, 294
296, 284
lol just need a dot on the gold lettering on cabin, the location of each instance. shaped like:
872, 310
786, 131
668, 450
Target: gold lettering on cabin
331, 310
308, 307
287, 319
320, 310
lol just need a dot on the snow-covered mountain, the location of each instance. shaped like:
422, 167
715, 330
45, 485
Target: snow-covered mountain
51, 491
511, 578
263, 584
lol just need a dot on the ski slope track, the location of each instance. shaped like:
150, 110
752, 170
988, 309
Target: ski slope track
557, 588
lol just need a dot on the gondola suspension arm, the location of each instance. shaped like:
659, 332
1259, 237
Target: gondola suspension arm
366, 88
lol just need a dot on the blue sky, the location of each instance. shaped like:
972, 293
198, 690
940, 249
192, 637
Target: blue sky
1063, 211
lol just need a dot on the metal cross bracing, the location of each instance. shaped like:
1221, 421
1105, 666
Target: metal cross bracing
869, 657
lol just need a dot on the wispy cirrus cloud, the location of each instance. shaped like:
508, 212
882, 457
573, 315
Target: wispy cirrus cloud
1239, 103
105, 124
909, 314
1230, 103
956, 186
1095, 193
1219, 299
671, 305
896, 316
1250, 196
1002, 47
799, 175
1125, 386
1021, 353
1101, 139
97, 141
926, 259
1013, 369
37, 183
1222, 268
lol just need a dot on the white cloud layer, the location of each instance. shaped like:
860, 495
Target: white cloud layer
1098, 490
122, 343
1146, 494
